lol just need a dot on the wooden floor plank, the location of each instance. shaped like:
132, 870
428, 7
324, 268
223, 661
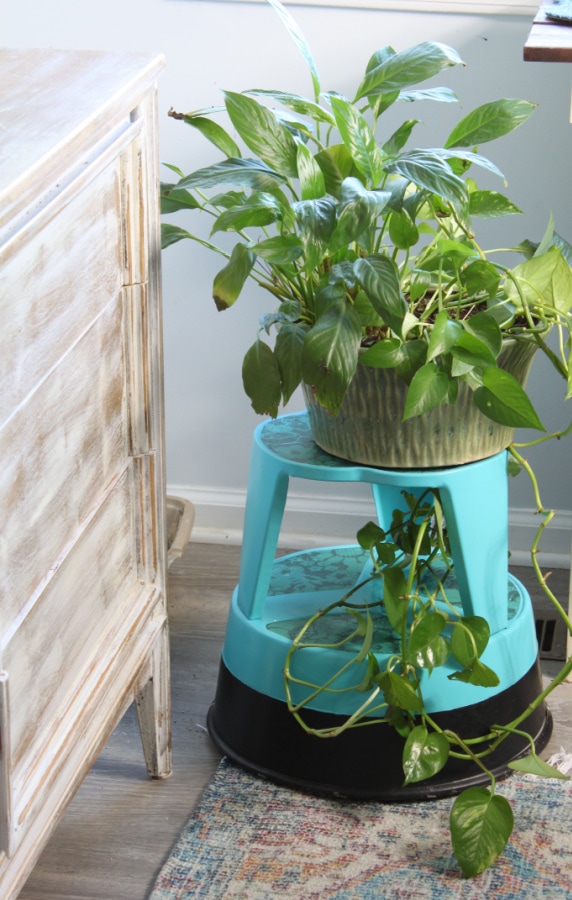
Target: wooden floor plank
121, 826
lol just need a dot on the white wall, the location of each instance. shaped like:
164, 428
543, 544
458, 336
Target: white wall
211, 46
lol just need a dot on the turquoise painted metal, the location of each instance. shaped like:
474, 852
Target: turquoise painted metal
274, 598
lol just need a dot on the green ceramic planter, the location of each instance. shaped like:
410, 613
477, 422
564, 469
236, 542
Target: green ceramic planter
368, 429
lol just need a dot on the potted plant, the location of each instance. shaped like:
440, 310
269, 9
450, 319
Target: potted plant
370, 254
380, 285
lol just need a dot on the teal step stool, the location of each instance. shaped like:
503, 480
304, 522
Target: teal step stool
249, 720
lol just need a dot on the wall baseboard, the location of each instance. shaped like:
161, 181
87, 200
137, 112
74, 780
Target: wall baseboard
326, 519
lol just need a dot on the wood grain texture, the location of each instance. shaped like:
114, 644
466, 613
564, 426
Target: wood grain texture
120, 827
83, 626
548, 41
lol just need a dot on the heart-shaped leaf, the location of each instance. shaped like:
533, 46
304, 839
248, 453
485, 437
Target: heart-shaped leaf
481, 824
424, 754
261, 379
503, 400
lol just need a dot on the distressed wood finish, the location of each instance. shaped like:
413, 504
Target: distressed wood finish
83, 623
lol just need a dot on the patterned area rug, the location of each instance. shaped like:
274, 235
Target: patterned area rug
251, 839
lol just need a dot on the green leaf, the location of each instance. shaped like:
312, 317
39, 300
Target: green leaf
428, 389
399, 692
485, 327
171, 234
544, 280
533, 765
490, 121
300, 41
230, 280
400, 137
503, 400
173, 199
258, 210
463, 648
427, 647
316, 220
491, 205
279, 250
337, 164
297, 104
427, 169
441, 94
414, 356
246, 172
408, 68
214, 133
379, 278
473, 351
480, 277
477, 674
288, 353
312, 183
395, 597
358, 138
358, 209
444, 334
481, 824
330, 354
261, 379
262, 132
424, 754
386, 354
402, 230
370, 535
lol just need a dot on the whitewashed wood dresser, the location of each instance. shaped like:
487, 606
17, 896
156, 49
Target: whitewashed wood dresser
83, 628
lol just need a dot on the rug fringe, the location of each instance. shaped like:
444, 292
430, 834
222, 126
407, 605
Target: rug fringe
561, 761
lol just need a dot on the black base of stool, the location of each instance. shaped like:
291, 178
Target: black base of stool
259, 734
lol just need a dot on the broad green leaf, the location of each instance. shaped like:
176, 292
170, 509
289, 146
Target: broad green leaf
358, 209
337, 164
395, 598
428, 389
485, 327
316, 220
427, 646
171, 234
473, 351
279, 250
481, 824
261, 379
229, 281
400, 137
491, 205
258, 210
297, 104
367, 314
480, 277
300, 41
490, 121
428, 170
544, 280
386, 354
358, 138
173, 199
262, 133
214, 133
245, 172
312, 183
415, 354
288, 353
399, 692
444, 334
441, 94
533, 765
464, 649
477, 674
379, 278
461, 159
369, 535
408, 68
503, 400
330, 354
402, 230
424, 754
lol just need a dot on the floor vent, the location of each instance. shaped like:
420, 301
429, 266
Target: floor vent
550, 630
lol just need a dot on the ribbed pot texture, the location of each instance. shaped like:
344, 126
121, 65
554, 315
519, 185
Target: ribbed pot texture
368, 429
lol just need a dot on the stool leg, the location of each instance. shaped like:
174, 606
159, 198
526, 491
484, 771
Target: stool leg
387, 497
265, 502
475, 504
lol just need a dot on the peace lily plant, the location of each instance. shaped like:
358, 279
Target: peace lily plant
369, 252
